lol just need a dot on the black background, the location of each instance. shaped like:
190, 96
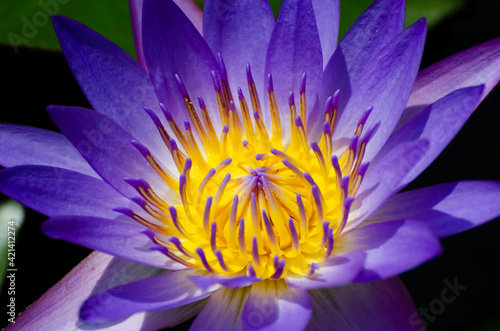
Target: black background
33, 79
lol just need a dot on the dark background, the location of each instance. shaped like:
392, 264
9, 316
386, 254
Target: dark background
33, 79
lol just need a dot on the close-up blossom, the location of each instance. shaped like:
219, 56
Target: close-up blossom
245, 169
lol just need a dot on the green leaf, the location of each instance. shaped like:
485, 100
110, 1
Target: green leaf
27, 22
11, 219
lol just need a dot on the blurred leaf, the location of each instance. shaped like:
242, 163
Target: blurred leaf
27, 22
433, 10
11, 213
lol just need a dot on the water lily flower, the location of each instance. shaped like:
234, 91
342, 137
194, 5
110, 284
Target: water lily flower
246, 170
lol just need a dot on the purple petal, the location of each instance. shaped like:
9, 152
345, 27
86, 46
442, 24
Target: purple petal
120, 239
386, 86
392, 247
382, 305
447, 208
23, 145
113, 82
136, 20
106, 146
165, 291
438, 124
59, 307
56, 191
475, 66
222, 311
172, 45
240, 31
327, 15
375, 28
384, 178
188, 7
336, 271
294, 49
271, 305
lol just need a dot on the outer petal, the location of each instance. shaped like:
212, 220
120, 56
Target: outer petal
59, 307
336, 271
222, 311
386, 86
169, 290
240, 31
447, 208
391, 247
22, 145
271, 305
113, 82
438, 124
295, 48
172, 45
112, 237
382, 305
106, 146
475, 66
327, 13
188, 7
56, 191
374, 29
384, 178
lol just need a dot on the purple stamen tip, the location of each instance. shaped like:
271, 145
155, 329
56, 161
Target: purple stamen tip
222, 65
203, 259
315, 192
182, 180
328, 105
309, 178
298, 121
173, 212
141, 148
225, 129
182, 88
167, 114
335, 97
211, 172
187, 165
217, 87
255, 250
314, 268
363, 168
353, 144
232, 106
251, 271
303, 83
245, 143
344, 183
270, 86
370, 133
219, 256
139, 201
249, 74
315, 147
201, 102
240, 94
367, 112
256, 115
173, 144
187, 125
326, 128
227, 161
259, 157
291, 99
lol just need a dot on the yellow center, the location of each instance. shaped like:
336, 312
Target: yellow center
250, 205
